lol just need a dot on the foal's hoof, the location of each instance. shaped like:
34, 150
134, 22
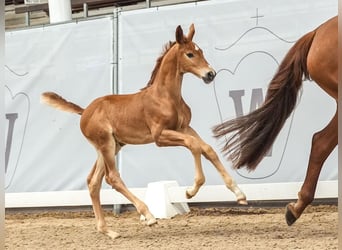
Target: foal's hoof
242, 202
189, 193
188, 196
240, 197
149, 222
289, 216
113, 235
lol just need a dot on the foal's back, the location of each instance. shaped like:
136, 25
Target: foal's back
118, 116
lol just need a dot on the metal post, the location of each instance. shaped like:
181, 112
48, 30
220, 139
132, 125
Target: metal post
115, 79
148, 3
115, 52
28, 18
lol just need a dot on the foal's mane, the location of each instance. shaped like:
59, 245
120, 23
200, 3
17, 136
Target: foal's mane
166, 48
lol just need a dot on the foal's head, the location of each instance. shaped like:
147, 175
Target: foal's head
190, 56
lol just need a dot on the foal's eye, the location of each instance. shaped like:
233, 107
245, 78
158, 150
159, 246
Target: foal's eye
190, 55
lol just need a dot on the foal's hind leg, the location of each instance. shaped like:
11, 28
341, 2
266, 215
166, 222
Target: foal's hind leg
94, 181
323, 144
113, 178
211, 155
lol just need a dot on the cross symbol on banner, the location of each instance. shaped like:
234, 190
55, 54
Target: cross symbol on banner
257, 16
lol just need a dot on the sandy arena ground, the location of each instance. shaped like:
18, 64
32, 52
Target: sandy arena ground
203, 228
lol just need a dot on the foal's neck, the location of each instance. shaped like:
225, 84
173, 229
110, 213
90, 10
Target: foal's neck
169, 78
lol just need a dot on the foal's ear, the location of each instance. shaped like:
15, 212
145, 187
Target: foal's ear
191, 32
179, 35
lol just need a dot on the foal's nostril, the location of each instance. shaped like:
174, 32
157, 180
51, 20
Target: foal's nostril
211, 75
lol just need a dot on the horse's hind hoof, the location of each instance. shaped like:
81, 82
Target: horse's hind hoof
242, 202
289, 216
151, 221
113, 235
188, 195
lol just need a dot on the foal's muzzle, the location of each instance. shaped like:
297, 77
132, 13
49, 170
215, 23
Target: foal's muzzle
209, 77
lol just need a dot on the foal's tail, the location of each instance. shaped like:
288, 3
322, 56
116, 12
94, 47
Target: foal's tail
254, 133
58, 102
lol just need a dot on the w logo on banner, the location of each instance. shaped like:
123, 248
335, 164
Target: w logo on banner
240, 83
17, 107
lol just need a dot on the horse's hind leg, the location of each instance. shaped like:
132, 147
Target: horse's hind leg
323, 143
211, 155
94, 181
113, 178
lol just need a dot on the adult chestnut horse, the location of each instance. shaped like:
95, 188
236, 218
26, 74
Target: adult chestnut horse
157, 114
251, 136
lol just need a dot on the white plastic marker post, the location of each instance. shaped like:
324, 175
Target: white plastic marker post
158, 201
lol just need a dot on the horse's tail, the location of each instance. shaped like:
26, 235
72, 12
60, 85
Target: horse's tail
254, 133
56, 101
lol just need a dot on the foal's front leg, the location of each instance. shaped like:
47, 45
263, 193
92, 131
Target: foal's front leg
189, 138
211, 155
176, 138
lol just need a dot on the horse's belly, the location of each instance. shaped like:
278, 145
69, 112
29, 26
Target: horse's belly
133, 135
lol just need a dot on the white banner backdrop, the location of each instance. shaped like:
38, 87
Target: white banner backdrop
244, 41
45, 150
